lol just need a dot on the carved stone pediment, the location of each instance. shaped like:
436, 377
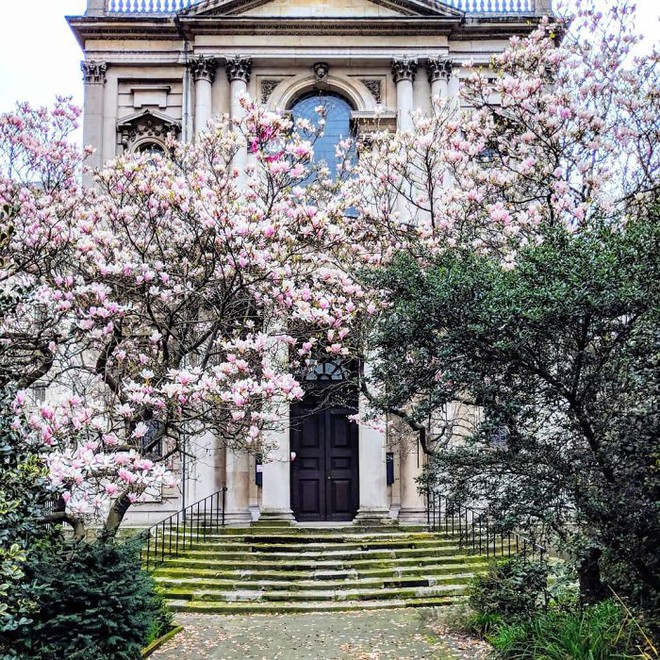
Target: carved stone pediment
311, 9
146, 127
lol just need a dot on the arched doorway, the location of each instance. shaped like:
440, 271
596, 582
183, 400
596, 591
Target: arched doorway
324, 446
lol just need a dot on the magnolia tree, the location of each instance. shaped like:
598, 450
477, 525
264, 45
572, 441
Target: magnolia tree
561, 130
518, 243
168, 300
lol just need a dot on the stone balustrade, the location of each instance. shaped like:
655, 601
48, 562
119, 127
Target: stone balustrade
495, 6
147, 6
523, 7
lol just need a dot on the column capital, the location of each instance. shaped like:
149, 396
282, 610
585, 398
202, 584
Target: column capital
93, 72
404, 69
203, 67
439, 68
239, 68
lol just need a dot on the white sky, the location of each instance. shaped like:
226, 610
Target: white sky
39, 57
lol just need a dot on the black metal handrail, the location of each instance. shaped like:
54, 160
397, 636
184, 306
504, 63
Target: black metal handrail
476, 531
173, 535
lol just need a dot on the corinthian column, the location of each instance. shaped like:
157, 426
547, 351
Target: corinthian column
238, 73
403, 72
438, 71
94, 80
203, 73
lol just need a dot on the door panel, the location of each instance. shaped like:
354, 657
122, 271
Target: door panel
324, 474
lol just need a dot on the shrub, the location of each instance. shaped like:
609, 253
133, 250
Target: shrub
598, 632
25, 494
513, 587
96, 603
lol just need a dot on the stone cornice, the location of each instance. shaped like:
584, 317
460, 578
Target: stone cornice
166, 28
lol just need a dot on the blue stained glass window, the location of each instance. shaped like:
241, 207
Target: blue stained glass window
337, 112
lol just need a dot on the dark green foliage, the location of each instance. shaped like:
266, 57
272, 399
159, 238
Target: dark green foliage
562, 355
512, 587
25, 495
96, 603
598, 632
164, 617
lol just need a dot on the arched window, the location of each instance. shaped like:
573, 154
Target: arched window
324, 372
149, 147
337, 111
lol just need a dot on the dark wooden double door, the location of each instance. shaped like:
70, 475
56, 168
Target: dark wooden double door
324, 472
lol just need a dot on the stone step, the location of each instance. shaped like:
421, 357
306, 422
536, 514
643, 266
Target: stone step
191, 585
451, 566
306, 539
216, 607
216, 557
218, 545
302, 531
278, 569
330, 595
303, 563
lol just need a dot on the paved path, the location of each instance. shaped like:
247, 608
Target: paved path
373, 635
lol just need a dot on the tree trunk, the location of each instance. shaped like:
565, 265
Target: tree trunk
116, 515
592, 589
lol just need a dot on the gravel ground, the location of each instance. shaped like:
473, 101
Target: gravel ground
402, 634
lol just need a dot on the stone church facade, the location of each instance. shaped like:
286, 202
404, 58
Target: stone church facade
153, 67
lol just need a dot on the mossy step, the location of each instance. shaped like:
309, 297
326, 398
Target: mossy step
316, 595
322, 554
304, 564
472, 564
294, 530
211, 607
293, 548
304, 539
190, 585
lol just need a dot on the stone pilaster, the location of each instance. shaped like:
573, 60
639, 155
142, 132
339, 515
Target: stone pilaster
94, 81
439, 71
413, 506
237, 476
276, 470
203, 72
372, 452
374, 506
404, 71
